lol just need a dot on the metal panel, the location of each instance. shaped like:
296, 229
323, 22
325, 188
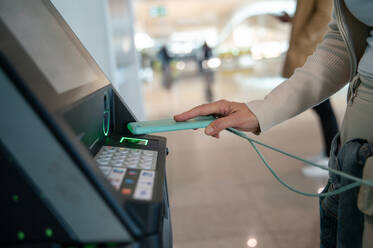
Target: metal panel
53, 172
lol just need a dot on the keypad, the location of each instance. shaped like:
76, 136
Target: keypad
127, 158
128, 169
144, 188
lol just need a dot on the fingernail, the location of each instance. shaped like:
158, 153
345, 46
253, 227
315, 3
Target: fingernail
209, 130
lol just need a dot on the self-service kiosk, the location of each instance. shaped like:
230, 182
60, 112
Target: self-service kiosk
71, 174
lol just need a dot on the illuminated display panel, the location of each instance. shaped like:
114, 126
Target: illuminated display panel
135, 141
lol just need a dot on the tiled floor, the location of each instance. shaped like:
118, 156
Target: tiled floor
221, 194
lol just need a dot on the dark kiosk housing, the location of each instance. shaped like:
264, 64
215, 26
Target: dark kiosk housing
71, 174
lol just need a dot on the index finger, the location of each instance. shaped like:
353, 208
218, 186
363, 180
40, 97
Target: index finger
204, 109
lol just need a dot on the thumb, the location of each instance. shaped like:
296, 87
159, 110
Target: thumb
220, 124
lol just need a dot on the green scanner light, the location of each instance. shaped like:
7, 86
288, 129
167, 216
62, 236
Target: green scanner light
135, 141
15, 198
106, 123
90, 246
21, 235
48, 232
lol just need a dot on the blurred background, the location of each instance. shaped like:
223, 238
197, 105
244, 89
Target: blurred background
166, 56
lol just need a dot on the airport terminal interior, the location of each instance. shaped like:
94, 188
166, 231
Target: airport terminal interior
164, 57
221, 195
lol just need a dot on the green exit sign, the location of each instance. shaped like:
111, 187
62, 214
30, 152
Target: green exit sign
158, 11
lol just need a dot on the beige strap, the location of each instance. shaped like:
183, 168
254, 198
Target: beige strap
352, 89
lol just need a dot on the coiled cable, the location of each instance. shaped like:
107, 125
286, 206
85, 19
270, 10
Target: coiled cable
357, 181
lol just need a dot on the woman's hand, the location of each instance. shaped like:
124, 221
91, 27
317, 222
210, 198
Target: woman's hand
232, 114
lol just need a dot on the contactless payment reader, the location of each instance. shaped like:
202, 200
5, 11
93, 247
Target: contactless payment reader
71, 173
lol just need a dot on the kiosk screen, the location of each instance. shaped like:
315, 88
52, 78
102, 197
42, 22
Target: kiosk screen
47, 43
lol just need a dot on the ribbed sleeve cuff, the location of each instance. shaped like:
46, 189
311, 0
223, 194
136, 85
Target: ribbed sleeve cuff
262, 114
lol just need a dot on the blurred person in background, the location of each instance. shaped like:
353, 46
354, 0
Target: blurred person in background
165, 59
309, 25
345, 56
204, 55
207, 72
